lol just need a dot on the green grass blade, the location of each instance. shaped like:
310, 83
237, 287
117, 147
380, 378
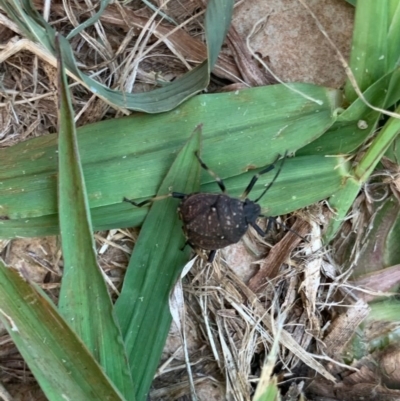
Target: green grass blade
271, 392
142, 307
92, 20
84, 300
159, 12
60, 362
162, 99
218, 20
386, 310
394, 35
130, 156
340, 203
376, 151
369, 56
359, 121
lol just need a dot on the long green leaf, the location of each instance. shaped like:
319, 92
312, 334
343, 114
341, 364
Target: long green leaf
290, 193
92, 20
156, 101
393, 35
142, 307
378, 148
60, 362
340, 202
369, 55
84, 300
130, 156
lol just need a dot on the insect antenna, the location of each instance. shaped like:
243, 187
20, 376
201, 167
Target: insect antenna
274, 179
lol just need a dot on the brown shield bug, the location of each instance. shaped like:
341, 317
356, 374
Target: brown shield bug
214, 221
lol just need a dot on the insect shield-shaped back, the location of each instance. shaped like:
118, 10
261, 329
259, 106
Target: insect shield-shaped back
212, 221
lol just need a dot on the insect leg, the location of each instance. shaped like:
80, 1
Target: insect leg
185, 244
269, 224
258, 229
211, 256
155, 198
219, 180
177, 195
147, 201
274, 179
259, 174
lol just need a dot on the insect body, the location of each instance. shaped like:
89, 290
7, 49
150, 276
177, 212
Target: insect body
214, 221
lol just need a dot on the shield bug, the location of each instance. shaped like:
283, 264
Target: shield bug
214, 221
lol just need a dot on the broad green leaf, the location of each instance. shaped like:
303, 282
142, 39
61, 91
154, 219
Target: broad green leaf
84, 300
142, 308
60, 362
130, 156
302, 182
217, 21
291, 192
